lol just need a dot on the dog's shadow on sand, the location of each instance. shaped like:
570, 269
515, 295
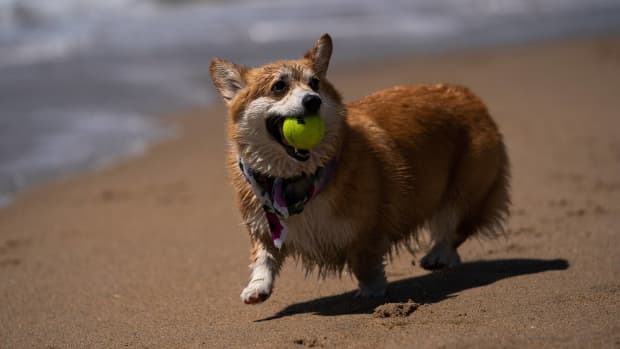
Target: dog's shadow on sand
430, 288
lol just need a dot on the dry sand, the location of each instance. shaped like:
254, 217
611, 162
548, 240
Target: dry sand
151, 253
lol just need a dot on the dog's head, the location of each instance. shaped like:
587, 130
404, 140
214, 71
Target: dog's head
259, 99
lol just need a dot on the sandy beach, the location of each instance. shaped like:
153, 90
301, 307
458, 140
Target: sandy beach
150, 253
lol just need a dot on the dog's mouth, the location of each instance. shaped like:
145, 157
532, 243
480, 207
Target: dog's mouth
274, 127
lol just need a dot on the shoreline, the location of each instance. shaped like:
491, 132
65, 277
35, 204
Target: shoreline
150, 251
118, 65
99, 153
15, 180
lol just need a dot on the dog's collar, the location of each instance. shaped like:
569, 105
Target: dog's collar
282, 197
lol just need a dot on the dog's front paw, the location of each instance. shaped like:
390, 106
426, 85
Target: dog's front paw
256, 292
442, 255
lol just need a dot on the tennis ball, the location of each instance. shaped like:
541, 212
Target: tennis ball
303, 132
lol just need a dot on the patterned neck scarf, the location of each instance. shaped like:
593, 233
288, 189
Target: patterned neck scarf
282, 197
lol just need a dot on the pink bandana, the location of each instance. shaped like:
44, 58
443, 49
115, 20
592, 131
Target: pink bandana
282, 197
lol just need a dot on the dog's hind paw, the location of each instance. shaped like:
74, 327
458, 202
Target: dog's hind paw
441, 256
256, 292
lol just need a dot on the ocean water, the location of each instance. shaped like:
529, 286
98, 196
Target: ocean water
82, 81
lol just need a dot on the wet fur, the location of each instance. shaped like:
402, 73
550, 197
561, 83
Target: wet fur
409, 157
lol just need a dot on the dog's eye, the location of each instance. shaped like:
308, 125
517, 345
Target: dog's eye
314, 84
279, 86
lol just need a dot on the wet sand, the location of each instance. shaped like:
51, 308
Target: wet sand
151, 254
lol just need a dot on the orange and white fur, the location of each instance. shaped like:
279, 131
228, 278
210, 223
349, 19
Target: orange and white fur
409, 157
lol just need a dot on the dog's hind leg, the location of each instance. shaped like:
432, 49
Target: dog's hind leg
443, 228
266, 263
481, 209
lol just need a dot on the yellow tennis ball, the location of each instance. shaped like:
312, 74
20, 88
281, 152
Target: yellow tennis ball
303, 132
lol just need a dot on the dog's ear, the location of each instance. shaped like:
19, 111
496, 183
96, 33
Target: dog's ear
320, 54
227, 77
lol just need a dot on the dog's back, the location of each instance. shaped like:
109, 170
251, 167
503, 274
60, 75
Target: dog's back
444, 153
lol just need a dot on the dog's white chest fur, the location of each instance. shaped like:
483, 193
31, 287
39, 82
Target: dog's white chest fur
316, 231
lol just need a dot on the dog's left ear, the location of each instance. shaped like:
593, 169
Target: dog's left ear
320, 54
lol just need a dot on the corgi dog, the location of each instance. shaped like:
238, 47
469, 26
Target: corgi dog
389, 164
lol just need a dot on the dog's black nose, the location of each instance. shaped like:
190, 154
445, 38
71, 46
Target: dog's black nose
311, 103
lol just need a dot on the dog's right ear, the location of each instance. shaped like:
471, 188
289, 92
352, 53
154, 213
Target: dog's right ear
227, 77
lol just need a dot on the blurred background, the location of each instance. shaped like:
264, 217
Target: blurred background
85, 82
